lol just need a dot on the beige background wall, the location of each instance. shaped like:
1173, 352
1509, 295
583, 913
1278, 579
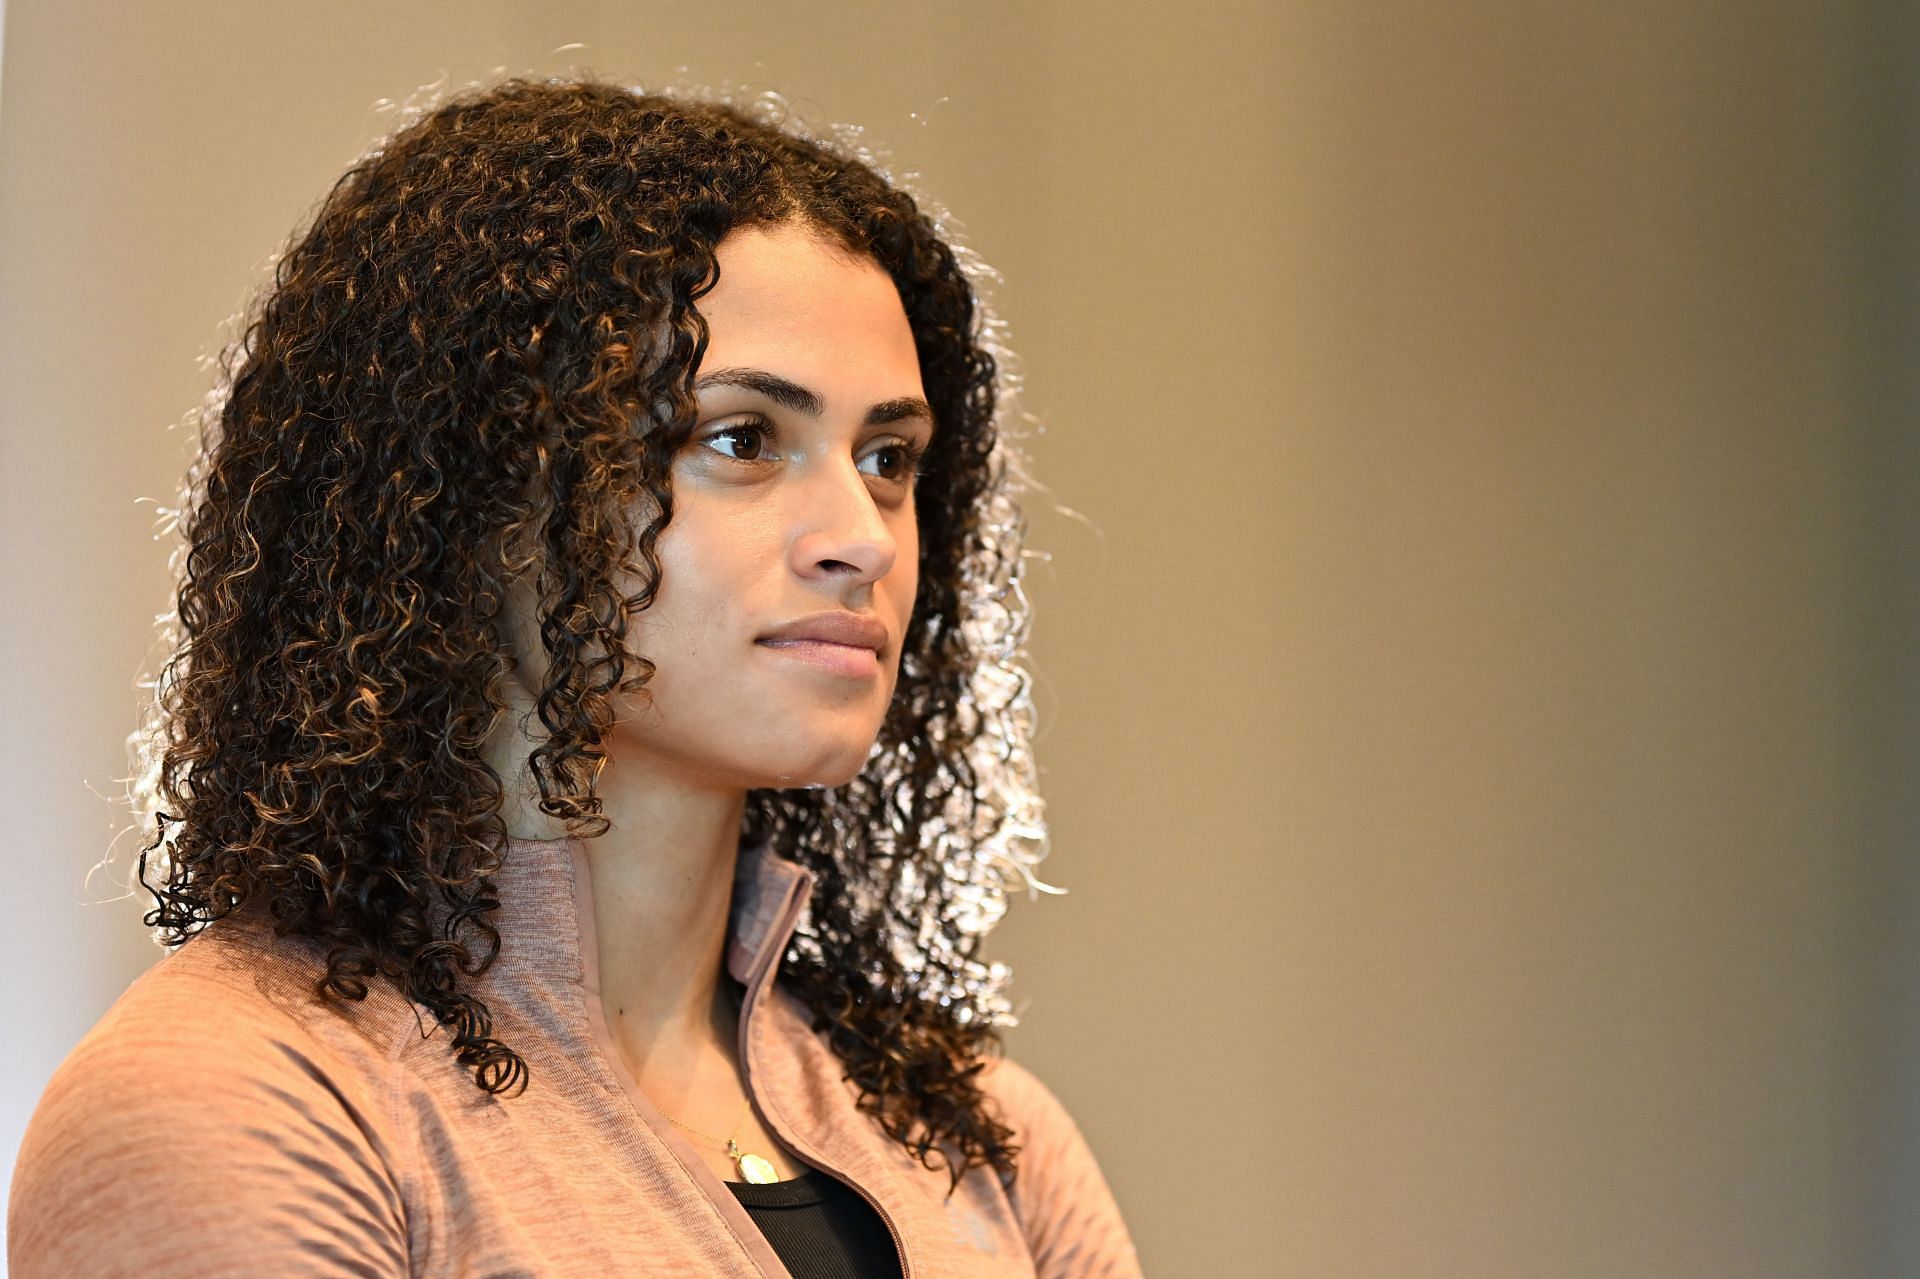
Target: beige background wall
1479, 697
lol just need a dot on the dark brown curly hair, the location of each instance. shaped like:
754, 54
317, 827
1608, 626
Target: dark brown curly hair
476, 361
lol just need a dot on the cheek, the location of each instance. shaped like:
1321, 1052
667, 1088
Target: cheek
909, 567
909, 589
696, 575
714, 561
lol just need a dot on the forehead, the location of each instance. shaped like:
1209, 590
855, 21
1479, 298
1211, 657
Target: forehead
794, 303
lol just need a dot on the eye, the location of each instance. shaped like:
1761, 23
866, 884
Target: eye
743, 441
899, 459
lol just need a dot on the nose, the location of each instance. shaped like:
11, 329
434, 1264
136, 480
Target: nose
840, 534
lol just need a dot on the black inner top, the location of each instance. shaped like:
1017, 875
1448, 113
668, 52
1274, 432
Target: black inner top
820, 1227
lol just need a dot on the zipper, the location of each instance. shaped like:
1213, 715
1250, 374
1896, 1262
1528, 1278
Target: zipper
763, 981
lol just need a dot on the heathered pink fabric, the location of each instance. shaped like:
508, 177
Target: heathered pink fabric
221, 1120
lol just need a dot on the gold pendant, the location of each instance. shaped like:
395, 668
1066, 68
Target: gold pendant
752, 1168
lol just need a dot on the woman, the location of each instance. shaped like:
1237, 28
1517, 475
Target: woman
597, 638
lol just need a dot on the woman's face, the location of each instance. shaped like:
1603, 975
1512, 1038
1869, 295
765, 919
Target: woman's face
791, 561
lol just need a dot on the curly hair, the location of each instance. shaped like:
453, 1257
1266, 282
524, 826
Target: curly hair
476, 361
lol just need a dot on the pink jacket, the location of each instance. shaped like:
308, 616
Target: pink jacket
221, 1120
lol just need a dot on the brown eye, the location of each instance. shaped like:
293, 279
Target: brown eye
744, 442
900, 460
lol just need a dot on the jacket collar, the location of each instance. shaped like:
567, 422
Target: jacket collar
547, 926
547, 971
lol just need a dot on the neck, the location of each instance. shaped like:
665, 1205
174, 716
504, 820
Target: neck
662, 884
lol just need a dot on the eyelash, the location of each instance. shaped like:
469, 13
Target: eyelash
915, 454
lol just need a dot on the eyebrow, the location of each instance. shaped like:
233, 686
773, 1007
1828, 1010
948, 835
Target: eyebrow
789, 394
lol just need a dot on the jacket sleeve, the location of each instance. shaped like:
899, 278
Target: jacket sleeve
1072, 1223
203, 1141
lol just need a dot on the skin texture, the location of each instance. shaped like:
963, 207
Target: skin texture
803, 515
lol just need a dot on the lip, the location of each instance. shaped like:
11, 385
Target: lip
843, 643
854, 661
853, 630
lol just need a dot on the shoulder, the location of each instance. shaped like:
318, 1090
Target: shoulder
237, 1007
1072, 1222
1042, 1125
213, 1111
1026, 1103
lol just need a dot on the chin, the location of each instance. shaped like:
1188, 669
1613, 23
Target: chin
831, 767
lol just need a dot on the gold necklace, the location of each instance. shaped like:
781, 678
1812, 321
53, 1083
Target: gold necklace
754, 1168
751, 1167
